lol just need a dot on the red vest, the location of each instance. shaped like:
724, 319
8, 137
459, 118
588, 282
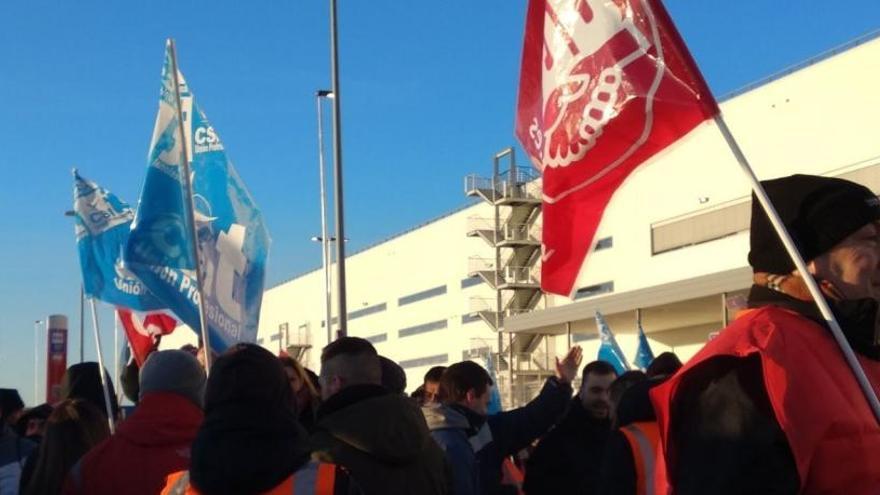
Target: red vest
643, 438
816, 400
315, 478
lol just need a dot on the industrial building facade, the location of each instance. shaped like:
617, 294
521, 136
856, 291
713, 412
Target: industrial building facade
671, 249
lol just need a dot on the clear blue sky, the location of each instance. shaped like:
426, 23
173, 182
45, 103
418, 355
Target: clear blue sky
428, 94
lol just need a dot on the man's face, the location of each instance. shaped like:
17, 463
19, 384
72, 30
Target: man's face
594, 394
331, 382
853, 265
431, 389
479, 403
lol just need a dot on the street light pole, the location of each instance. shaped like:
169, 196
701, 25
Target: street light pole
37, 360
337, 171
82, 307
325, 243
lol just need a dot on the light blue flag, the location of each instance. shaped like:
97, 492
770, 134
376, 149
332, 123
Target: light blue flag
102, 227
494, 406
644, 356
609, 351
233, 242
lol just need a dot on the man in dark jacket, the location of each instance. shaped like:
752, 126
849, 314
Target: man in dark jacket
379, 436
476, 445
155, 441
568, 459
13, 449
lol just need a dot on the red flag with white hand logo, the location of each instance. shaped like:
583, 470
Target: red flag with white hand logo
145, 332
604, 86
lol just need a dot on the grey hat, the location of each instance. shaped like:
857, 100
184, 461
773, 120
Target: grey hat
173, 371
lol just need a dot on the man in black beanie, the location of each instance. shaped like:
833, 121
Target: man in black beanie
770, 405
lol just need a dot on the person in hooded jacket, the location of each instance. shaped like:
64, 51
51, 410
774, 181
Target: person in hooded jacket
155, 440
770, 405
250, 441
379, 436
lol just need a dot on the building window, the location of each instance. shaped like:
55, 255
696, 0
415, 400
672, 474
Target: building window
425, 361
376, 308
425, 327
375, 339
583, 337
334, 320
470, 318
604, 243
259, 341
470, 282
419, 296
701, 227
594, 290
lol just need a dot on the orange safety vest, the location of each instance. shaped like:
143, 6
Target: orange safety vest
511, 475
315, 478
643, 438
830, 428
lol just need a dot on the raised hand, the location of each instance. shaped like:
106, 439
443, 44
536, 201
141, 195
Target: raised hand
567, 369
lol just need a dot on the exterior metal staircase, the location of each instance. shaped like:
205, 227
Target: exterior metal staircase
514, 232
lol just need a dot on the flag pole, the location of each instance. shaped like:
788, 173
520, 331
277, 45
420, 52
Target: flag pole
801, 266
101, 370
190, 209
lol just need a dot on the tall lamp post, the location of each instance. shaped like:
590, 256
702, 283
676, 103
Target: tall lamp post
337, 171
37, 360
320, 95
82, 307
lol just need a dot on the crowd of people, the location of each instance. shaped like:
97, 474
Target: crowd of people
769, 406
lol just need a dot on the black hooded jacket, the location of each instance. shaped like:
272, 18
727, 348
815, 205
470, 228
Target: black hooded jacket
383, 441
250, 440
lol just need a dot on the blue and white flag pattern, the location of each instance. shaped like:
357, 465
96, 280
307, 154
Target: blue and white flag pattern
102, 228
494, 406
609, 351
644, 355
233, 242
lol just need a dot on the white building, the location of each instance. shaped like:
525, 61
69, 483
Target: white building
673, 242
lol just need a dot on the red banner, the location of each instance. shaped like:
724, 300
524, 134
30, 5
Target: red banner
56, 356
145, 333
604, 86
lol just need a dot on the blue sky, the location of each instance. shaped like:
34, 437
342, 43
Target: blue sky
428, 95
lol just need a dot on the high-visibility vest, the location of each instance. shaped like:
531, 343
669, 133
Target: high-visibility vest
511, 475
830, 429
643, 438
315, 478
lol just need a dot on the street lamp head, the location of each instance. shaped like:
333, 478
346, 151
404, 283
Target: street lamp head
69, 213
324, 93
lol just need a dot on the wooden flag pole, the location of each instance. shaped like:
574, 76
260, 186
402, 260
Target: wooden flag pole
101, 371
798, 260
190, 209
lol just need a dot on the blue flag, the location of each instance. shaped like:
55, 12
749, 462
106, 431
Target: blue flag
644, 356
102, 227
494, 406
232, 242
609, 351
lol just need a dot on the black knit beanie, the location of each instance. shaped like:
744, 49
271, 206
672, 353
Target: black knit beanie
818, 212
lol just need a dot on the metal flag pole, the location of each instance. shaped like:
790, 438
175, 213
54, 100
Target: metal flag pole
190, 209
787, 241
116, 348
82, 322
337, 174
101, 369
325, 240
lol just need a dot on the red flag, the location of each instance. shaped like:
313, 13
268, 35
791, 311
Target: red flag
604, 85
144, 334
